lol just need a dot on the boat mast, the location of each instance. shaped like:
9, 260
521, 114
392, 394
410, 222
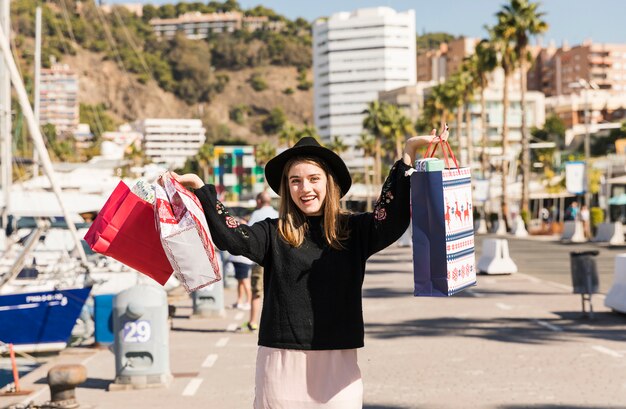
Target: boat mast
35, 133
37, 88
5, 117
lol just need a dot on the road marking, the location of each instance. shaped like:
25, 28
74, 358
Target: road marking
231, 327
568, 288
548, 325
221, 342
475, 294
239, 316
607, 351
192, 387
502, 306
209, 361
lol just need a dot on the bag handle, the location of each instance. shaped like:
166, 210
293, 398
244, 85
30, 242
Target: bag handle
445, 147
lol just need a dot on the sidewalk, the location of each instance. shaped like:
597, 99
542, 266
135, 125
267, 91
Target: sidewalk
511, 342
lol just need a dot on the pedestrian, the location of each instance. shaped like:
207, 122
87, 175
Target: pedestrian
585, 218
314, 259
264, 210
242, 266
571, 213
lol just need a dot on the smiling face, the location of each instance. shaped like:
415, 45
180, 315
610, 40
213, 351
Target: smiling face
307, 187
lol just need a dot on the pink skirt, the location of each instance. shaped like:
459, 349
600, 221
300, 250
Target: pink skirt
287, 379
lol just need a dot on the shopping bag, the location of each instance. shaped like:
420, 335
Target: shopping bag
443, 227
185, 235
125, 230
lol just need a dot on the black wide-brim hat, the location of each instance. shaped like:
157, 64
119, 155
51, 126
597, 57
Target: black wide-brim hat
308, 146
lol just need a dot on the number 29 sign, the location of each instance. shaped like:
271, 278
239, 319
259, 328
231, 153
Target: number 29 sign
137, 331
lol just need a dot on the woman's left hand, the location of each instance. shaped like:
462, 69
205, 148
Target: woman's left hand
415, 142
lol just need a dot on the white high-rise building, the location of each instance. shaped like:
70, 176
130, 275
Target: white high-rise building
59, 98
356, 55
171, 141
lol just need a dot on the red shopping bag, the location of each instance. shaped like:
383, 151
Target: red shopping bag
125, 230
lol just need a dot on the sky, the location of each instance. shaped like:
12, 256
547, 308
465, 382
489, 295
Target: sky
573, 21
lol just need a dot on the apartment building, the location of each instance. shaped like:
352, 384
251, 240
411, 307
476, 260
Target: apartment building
171, 141
58, 103
355, 55
440, 64
197, 26
556, 69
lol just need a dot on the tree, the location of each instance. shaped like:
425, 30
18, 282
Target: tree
368, 144
375, 122
399, 128
204, 157
502, 35
484, 61
337, 145
274, 122
288, 135
264, 152
521, 20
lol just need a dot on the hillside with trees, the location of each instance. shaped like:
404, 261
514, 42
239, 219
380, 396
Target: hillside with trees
232, 81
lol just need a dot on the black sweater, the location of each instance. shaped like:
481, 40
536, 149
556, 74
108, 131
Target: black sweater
313, 293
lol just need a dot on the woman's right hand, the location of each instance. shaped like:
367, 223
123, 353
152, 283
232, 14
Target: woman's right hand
189, 180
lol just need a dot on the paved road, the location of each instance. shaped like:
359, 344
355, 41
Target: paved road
550, 260
512, 342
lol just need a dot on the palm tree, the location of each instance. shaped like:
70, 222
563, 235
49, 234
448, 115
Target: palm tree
375, 122
204, 157
399, 127
264, 152
502, 35
288, 135
337, 145
485, 61
523, 19
368, 144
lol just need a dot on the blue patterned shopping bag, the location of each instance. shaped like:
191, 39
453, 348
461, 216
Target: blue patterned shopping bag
443, 230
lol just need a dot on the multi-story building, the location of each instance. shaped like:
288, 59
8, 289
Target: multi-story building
356, 55
59, 98
440, 64
602, 106
556, 69
411, 100
171, 141
197, 26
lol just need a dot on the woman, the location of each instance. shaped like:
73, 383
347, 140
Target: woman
314, 259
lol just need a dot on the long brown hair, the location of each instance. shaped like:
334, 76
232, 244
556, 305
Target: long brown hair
292, 223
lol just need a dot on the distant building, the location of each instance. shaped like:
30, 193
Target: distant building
115, 143
410, 98
555, 69
196, 25
356, 55
171, 141
440, 64
59, 98
135, 8
83, 136
602, 105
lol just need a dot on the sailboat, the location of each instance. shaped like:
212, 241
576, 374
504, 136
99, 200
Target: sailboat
35, 318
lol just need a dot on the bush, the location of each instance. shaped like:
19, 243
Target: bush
274, 121
257, 82
239, 113
288, 91
596, 215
